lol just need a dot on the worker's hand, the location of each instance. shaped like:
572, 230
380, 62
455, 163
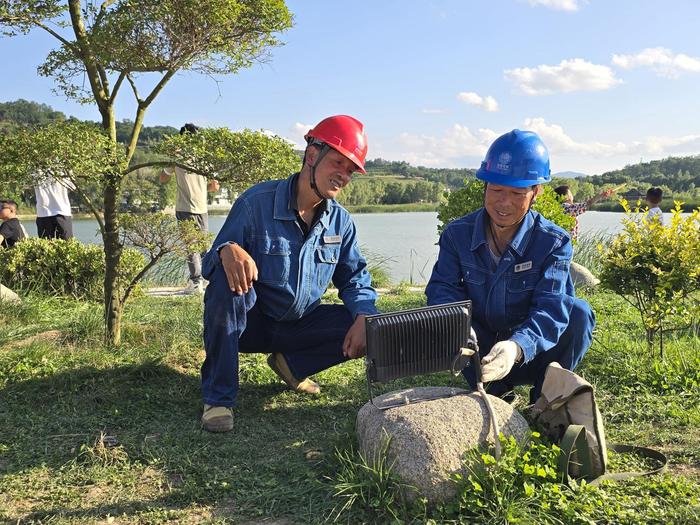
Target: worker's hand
213, 186
500, 360
355, 343
240, 268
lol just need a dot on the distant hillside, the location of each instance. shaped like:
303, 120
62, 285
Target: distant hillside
26, 113
569, 175
451, 177
677, 174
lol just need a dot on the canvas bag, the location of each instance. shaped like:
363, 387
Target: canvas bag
567, 413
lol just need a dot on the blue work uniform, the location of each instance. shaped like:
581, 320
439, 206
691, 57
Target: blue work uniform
527, 296
282, 312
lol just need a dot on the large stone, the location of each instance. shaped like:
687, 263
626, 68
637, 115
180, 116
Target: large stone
428, 439
582, 276
7, 295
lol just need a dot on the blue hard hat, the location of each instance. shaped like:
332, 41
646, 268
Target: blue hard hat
517, 159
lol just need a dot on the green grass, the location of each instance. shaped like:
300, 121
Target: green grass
91, 436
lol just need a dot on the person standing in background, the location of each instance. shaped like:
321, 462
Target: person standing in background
11, 230
54, 218
577, 208
191, 205
654, 196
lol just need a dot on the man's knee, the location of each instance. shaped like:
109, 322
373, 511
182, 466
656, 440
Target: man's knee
578, 335
582, 317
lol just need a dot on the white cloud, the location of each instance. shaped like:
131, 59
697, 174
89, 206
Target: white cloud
683, 145
486, 103
559, 5
661, 60
570, 75
429, 111
297, 132
560, 143
444, 151
462, 147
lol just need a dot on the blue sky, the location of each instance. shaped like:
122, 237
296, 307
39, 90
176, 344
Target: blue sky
605, 82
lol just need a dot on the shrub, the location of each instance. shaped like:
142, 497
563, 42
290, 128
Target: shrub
656, 269
471, 198
66, 268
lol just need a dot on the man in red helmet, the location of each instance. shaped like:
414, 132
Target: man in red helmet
281, 245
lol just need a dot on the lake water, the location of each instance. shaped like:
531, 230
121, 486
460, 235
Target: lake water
404, 242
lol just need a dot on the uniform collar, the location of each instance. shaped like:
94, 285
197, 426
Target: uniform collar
285, 202
520, 240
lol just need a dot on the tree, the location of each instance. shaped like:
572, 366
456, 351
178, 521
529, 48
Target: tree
656, 269
471, 198
105, 46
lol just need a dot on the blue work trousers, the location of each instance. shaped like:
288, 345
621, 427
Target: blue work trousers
568, 352
233, 323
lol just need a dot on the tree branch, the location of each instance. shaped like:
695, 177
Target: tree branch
164, 164
117, 85
93, 209
159, 87
88, 59
134, 88
103, 11
70, 45
135, 132
137, 278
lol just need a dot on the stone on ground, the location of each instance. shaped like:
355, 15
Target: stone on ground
429, 438
7, 295
582, 276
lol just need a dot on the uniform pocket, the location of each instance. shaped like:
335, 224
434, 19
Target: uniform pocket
523, 281
473, 275
273, 260
519, 290
326, 258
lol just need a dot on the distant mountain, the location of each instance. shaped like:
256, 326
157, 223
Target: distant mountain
569, 174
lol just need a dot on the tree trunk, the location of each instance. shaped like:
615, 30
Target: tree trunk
113, 252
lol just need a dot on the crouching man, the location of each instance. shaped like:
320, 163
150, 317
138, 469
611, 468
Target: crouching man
514, 266
281, 245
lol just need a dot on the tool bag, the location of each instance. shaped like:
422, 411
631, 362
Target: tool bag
568, 415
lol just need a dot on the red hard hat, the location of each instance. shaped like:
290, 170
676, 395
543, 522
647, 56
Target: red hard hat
344, 134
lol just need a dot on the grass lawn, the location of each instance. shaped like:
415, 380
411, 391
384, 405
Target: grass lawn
95, 436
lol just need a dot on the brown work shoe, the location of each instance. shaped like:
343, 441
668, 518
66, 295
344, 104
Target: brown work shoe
217, 419
279, 366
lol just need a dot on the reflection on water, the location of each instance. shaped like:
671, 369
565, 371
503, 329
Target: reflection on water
405, 242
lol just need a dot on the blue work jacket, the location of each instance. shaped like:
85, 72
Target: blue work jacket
527, 297
294, 270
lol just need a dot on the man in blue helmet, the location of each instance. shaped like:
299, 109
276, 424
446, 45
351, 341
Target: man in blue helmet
514, 266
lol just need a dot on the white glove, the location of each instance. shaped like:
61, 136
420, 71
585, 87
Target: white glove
500, 360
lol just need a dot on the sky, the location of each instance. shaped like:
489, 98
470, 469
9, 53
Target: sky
605, 83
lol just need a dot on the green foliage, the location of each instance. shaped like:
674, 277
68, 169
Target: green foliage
367, 487
66, 268
237, 159
77, 151
471, 198
367, 190
656, 268
522, 487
